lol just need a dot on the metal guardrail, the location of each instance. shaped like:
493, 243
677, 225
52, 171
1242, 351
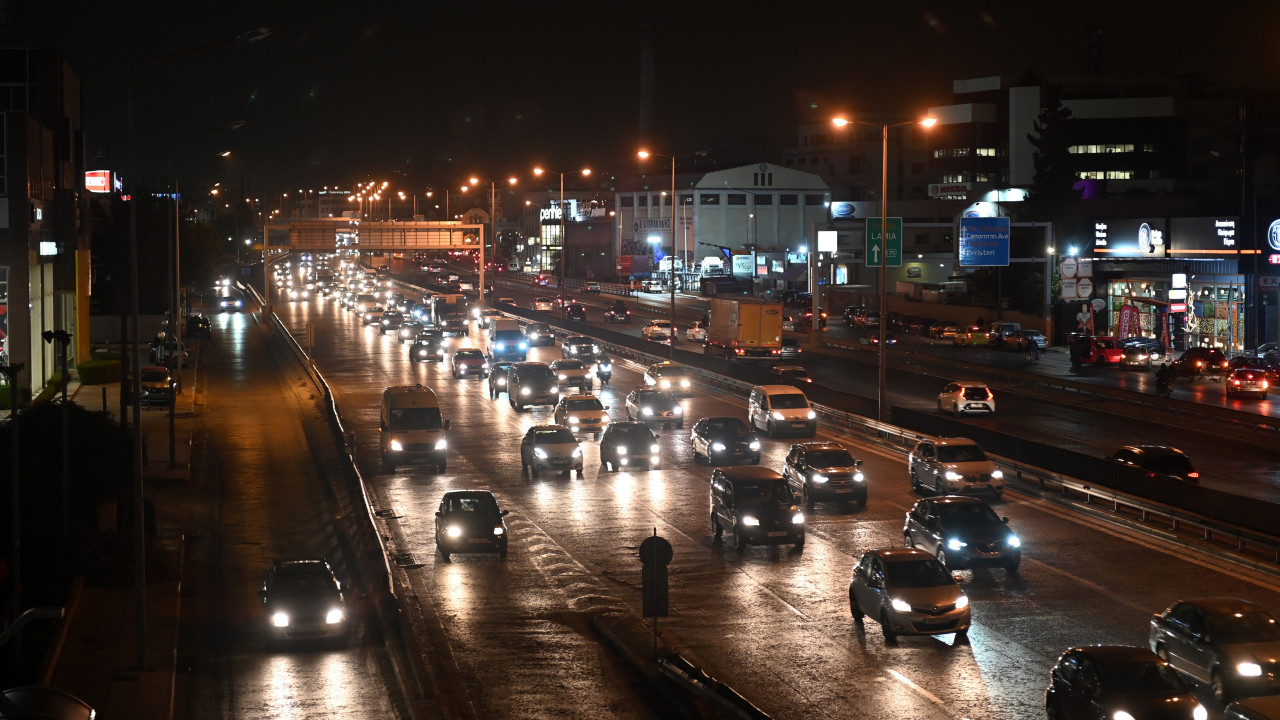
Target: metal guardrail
696, 681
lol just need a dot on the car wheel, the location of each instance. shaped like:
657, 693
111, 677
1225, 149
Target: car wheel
962, 637
800, 543
716, 531
939, 485
755, 461
768, 428
533, 470
629, 418
854, 610
444, 554
388, 465
906, 540
939, 405
502, 551
1012, 568
942, 558
441, 467
1053, 710
739, 539
1218, 685
680, 426
1162, 653
889, 634
697, 457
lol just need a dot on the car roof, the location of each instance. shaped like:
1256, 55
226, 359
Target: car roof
1155, 450
584, 396
958, 500
780, 390
748, 473
1116, 654
900, 554
467, 493
1222, 605
951, 441
547, 427
820, 446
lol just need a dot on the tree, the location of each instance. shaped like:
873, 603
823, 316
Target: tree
1052, 187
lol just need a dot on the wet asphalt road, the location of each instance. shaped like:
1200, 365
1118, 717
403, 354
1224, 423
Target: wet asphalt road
772, 622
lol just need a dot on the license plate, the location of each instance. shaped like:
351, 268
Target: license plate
798, 425
778, 533
559, 462
477, 541
844, 491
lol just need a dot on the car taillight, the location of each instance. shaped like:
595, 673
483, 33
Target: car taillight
1193, 474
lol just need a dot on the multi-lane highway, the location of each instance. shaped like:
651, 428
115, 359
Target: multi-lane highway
773, 623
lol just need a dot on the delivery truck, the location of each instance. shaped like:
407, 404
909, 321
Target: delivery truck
744, 329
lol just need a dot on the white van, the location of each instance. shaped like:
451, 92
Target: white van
779, 409
500, 324
412, 428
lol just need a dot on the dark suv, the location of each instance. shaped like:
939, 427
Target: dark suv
962, 532
303, 600
531, 383
825, 470
1157, 460
756, 505
629, 444
724, 441
1200, 362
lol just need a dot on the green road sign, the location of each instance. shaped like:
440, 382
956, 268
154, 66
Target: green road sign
876, 247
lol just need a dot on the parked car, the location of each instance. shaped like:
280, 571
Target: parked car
1247, 381
1200, 362
1118, 681
158, 387
824, 471
908, 592
302, 600
953, 466
550, 447
1226, 643
962, 398
1157, 460
756, 506
724, 441
1094, 350
1155, 349
470, 521
962, 532
629, 444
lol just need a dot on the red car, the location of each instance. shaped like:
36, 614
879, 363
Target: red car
470, 362
1095, 350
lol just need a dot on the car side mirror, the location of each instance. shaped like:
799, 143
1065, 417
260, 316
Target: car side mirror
262, 594
857, 463
505, 513
448, 424
1004, 520
606, 407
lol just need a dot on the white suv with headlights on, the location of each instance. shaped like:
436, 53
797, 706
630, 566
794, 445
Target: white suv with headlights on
953, 466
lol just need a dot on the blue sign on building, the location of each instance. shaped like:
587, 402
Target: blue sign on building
984, 241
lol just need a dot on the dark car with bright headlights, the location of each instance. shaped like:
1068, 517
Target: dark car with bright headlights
1118, 682
538, 333
469, 362
498, 377
470, 521
825, 471
1230, 644
962, 532
629, 444
427, 347
580, 348
724, 441
303, 600
756, 506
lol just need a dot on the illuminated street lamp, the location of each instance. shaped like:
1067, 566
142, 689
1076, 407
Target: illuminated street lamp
564, 246
884, 238
644, 154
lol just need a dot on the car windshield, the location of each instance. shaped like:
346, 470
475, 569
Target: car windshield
631, 433
1248, 626
830, 458
961, 454
917, 574
758, 493
538, 328
535, 373
553, 436
155, 376
788, 401
592, 404
481, 503
468, 355
726, 426
1139, 678
427, 336
966, 515
569, 365
303, 584
416, 418
654, 398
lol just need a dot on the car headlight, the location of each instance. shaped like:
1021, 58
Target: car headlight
684, 383
677, 410
440, 351
1014, 541
646, 411
653, 448
962, 601
577, 452
1121, 715
524, 346
497, 531
812, 415
857, 477
502, 382
819, 478
754, 445
525, 391
540, 453
777, 415
665, 384
953, 475
396, 446
562, 376
797, 519
280, 619
900, 605
1248, 669
622, 449
954, 544
441, 444
454, 531
717, 446
751, 521
1199, 713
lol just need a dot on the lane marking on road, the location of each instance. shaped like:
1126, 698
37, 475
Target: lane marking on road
907, 681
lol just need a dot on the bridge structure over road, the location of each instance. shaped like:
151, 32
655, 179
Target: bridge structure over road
330, 234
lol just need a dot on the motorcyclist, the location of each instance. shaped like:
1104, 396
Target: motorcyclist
1164, 378
604, 369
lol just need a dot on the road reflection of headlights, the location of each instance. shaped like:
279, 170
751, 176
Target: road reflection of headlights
280, 619
396, 446
751, 521
900, 605
454, 531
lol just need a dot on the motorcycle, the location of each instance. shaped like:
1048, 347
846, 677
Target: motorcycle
604, 371
1164, 387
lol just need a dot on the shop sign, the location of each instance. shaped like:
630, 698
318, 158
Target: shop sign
1203, 236
1177, 307
1269, 283
914, 271
1086, 269
1273, 259
1129, 322
1130, 238
1069, 291
1084, 288
1273, 235
1068, 267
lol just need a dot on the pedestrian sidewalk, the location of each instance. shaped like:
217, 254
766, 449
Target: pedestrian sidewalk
101, 657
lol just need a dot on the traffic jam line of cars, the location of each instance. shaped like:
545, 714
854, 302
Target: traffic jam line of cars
1228, 645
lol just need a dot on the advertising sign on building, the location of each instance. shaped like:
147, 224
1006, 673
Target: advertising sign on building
1085, 269
98, 181
984, 242
1129, 322
1141, 238
1203, 236
1067, 267
1084, 288
1069, 289
1269, 283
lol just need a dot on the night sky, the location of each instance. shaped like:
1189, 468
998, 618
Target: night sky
419, 93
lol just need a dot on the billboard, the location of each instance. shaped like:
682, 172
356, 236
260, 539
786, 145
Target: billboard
1140, 238
1203, 236
98, 181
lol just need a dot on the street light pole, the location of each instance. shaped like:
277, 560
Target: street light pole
884, 245
672, 280
564, 246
